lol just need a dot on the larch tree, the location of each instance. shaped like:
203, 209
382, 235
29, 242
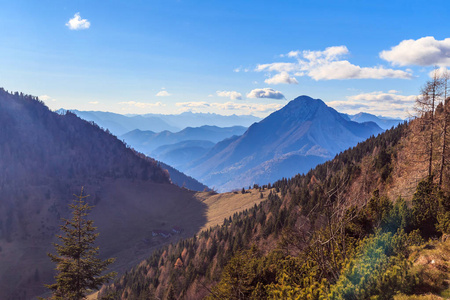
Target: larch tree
425, 107
445, 119
79, 270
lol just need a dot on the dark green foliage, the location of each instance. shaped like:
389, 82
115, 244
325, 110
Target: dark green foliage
383, 163
79, 271
443, 214
245, 275
425, 207
380, 268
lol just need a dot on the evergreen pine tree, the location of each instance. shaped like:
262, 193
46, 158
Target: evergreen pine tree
78, 269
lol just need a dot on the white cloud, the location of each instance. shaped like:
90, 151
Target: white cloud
426, 51
345, 70
442, 71
93, 102
193, 104
390, 104
251, 107
142, 104
293, 54
77, 23
162, 94
277, 67
46, 98
233, 95
246, 108
389, 97
282, 77
325, 65
265, 93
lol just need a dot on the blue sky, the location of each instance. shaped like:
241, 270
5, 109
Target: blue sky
222, 56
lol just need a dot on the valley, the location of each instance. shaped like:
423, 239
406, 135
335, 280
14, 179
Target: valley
144, 207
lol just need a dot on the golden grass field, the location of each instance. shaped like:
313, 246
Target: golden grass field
224, 205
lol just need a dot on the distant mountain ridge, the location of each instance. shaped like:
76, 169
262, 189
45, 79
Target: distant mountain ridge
179, 154
120, 124
289, 141
147, 141
191, 119
384, 122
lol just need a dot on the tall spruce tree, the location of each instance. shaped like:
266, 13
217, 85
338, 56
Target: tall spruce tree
79, 271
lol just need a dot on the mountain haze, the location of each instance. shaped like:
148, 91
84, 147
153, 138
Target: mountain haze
384, 122
147, 141
177, 155
120, 124
191, 119
291, 140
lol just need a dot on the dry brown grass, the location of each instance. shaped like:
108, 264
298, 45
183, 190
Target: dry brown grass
221, 206
418, 297
431, 262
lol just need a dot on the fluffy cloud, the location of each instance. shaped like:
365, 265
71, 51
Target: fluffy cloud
345, 70
162, 94
142, 104
46, 98
233, 95
379, 103
390, 97
277, 67
325, 65
93, 102
442, 71
265, 93
282, 77
247, 108
426, 51
77, 23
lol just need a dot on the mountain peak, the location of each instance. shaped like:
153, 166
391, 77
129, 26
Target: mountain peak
293, 139
305, 101
304, 97
298, 110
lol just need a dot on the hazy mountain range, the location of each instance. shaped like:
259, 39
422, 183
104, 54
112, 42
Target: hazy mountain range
384, 122
190, 119
147, 141
120, 124
291, 140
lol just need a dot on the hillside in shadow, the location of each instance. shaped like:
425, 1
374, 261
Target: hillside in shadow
45, 159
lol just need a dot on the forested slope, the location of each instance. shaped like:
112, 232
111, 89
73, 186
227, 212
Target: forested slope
333, 234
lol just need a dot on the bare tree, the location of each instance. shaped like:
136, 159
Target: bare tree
425, 106
444, 77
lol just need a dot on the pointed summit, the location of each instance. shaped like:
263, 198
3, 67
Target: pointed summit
291, 140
